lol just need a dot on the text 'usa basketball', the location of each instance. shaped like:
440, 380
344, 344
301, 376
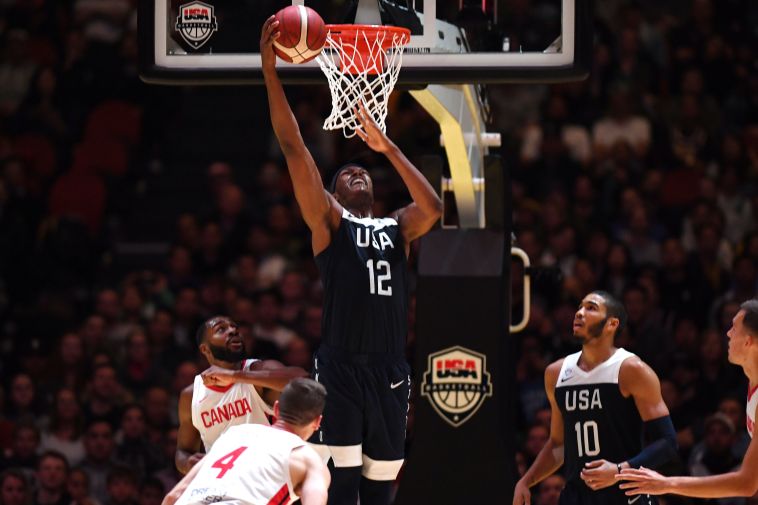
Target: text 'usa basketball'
456, 382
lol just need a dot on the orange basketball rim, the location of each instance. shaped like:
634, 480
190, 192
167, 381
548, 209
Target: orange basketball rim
362, 64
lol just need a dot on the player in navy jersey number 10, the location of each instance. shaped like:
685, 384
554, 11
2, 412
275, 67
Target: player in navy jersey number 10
363, 265
601, 399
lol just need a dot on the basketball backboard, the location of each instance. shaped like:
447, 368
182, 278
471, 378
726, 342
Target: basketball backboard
453, 41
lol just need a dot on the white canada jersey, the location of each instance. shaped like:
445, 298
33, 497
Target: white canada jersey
215, 409
752, 404
248, 465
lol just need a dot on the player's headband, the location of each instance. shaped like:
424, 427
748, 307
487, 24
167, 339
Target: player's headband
333, 184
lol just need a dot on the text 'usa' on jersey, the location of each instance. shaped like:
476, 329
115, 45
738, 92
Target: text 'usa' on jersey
598, 421
365, 275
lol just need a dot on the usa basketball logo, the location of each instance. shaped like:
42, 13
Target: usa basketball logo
456, 382
196, 23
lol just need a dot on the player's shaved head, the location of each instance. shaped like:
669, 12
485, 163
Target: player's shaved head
301, 401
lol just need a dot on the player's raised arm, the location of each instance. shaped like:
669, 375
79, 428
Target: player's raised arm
550, 457
417, 218
188, 442
315, 203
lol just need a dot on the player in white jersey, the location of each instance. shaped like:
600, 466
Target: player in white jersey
253, 464
234, 390
743, 351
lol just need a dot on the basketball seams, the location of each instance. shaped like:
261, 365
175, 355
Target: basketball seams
302, 34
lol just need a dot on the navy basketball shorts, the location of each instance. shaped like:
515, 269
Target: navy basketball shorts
577, 493
366, 411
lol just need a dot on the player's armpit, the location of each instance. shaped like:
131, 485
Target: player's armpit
414, 222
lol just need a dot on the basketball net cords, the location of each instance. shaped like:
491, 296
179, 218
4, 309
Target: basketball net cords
347, 71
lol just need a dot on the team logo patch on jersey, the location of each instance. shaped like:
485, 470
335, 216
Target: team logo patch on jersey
196, 23
456, 382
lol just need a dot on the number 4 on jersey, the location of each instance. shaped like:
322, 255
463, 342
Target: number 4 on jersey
225, 463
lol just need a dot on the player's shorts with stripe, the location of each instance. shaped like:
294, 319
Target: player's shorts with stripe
577, 493
366, 410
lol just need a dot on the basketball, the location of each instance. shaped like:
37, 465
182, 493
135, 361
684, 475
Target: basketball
302, 34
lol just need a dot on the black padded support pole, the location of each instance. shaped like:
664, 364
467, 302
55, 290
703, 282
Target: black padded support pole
462, 446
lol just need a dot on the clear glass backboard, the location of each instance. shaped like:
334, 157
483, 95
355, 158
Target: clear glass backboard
453, 41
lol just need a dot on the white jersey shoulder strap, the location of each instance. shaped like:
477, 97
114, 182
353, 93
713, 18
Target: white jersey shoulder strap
606, 372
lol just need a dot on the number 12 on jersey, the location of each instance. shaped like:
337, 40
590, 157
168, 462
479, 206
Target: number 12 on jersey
377, 277
585, 431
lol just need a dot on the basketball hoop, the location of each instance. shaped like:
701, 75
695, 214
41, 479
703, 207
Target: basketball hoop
361, 63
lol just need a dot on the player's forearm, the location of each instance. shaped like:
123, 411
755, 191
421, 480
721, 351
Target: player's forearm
182, 461
549, 459
276, 378
181, 486
282, 118
741, 483
421, 191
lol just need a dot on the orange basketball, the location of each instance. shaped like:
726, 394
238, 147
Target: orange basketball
302, 34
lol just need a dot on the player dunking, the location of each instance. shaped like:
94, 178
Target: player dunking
252, 464
363, 265
230, 392
600, 400
743, 351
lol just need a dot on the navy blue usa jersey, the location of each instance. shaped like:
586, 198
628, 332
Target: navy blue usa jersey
365, 275
598, 422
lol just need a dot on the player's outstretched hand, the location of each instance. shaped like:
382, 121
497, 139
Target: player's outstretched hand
521, 494
642, 481
269, 33
216, 376
599, 474
370, 132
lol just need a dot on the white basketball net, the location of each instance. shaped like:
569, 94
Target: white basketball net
355, 77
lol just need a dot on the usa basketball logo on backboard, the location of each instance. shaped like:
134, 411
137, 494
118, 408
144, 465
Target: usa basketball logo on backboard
196, 23
456, 382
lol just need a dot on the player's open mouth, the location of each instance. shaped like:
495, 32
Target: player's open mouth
235, 345
358, 181
578, 324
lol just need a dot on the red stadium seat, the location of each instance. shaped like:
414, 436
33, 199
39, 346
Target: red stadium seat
116, 120
79, 195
